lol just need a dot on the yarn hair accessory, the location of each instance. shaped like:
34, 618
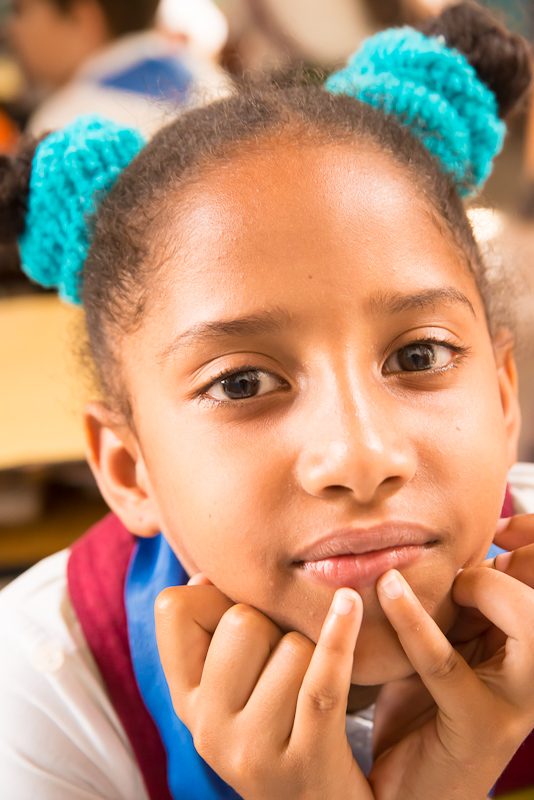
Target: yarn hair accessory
71, 170
436, 93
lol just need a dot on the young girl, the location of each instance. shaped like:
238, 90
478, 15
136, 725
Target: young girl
309, 413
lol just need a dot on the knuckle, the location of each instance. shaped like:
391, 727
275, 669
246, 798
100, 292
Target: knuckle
322, 699
520, 731
335, 650
170, 602
240, 616
244, 761
242, 621
205, 739
297, 645
180, 703
443, 666
509, 734
514, 732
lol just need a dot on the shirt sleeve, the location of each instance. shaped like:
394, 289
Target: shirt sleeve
60, 738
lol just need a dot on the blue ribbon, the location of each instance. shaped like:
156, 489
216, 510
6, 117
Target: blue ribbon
154, 567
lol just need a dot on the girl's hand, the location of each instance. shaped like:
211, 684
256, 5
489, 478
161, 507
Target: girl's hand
464, 730
472, 629
516, 534
266, 710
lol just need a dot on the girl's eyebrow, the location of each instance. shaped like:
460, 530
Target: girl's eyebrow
386, 304
278, 319
271, 321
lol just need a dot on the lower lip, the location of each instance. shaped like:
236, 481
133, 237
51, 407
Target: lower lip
358, 571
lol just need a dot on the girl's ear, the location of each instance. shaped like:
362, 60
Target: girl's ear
503, 346
117, 463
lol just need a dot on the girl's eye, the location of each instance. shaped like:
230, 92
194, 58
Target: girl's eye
420, 356
243, 385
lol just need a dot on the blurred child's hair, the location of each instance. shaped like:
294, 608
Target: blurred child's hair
122, 16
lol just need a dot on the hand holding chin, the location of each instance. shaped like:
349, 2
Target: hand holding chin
266, 710
461, 708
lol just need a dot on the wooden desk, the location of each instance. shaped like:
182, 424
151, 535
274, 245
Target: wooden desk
41, 386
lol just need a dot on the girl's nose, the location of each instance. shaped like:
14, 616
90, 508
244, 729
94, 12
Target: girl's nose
355, 449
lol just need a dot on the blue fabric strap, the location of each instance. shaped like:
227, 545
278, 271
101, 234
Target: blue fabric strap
154, 567
435, 92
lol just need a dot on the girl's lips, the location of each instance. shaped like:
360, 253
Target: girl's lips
356, 571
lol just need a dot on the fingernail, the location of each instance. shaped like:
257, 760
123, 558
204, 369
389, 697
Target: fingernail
502, 524
343, 604
502, 561
391, 586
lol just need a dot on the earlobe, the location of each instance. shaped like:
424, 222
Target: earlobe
117, 463
507, 377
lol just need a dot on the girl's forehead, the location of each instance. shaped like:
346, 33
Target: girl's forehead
305, 182
262, 226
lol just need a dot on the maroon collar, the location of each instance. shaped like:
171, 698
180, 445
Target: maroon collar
96, 575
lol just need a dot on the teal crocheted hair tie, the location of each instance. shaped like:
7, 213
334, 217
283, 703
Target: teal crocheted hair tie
434, 91
71, 170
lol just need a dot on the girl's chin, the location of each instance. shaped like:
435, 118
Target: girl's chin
379, 657
375, 672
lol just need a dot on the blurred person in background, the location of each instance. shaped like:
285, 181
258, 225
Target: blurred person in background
273, 33
104, 56
125, 59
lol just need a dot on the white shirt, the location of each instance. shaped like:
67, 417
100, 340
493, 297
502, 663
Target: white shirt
60, 738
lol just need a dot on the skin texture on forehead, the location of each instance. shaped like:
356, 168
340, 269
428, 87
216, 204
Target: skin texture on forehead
214, 198
322, 251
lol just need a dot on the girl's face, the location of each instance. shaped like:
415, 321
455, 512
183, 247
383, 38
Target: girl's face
315, 393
